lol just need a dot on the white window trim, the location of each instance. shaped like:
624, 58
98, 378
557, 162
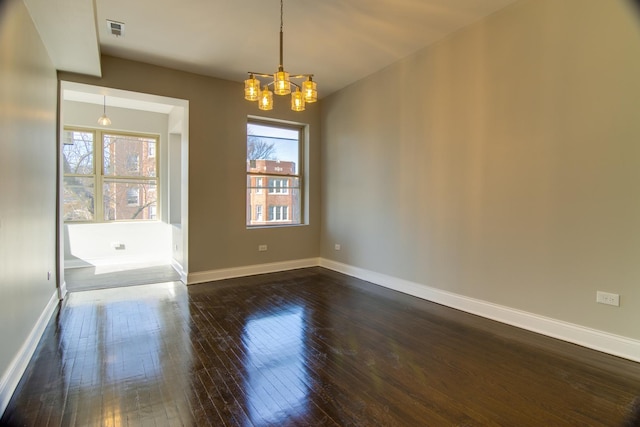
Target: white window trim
300, 176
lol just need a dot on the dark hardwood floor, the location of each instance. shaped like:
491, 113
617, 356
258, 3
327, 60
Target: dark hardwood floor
307, 347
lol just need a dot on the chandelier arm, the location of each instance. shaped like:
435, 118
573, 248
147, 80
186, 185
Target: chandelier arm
272, 83
297, 76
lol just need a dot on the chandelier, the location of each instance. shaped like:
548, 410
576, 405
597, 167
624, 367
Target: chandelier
305, 92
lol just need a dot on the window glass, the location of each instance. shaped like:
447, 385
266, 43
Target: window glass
79, 196
128, 155
77, 153
125, 185
129, 200
274, 163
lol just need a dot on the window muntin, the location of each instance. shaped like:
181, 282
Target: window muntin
274, 158
121, 172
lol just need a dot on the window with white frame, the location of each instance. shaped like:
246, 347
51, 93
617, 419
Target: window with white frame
278, 213
278, 186
116, 169
274, 158
133, 196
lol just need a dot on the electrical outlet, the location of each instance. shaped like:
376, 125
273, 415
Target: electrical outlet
262, 248
337, 246
607, 298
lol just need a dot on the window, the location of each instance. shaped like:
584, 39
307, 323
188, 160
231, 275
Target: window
274, 157
115, 169
278, 213
151, 150
133, 163
278, 186
133, 196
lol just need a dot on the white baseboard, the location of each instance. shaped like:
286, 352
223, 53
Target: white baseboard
18, 365
605, 342
62, 290
178, 268
591, 338
250, 270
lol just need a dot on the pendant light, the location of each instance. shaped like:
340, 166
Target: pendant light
104, 120
306, 92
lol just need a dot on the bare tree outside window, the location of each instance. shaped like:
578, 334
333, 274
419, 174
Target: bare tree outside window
260, 149
79, 176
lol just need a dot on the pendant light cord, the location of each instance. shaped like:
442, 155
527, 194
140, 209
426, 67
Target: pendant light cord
281, 38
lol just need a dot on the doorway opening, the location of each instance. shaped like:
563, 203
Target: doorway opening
123, 188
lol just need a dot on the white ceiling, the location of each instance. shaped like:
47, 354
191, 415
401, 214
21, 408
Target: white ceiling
339, 41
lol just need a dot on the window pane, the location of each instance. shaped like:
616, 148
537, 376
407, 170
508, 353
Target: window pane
77, 153
272, 150
274, 206
129, 200
78, 194
129, 156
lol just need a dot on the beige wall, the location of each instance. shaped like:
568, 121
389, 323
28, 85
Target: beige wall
502, 163
28, 93
218, 237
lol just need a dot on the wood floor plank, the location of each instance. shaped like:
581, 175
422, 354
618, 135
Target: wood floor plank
308, 347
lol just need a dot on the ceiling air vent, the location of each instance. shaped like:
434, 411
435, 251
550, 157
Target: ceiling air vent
115, 28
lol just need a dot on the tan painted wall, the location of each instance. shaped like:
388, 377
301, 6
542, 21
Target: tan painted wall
502, 163
218, 237
28, 93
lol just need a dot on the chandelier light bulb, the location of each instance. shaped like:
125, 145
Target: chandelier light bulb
297, 100
309, 90
266, 99
251, 88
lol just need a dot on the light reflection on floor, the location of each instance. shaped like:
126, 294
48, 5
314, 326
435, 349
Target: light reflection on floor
275, 366
123, 340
